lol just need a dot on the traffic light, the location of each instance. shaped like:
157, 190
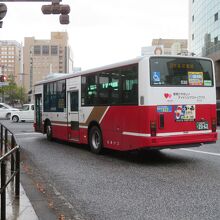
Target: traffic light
46, 9
64, 17
57, 8
3, 78
3, 11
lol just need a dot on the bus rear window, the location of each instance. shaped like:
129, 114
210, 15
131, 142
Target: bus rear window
180, 72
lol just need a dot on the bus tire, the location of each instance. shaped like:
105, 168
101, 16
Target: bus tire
95, 140
49, 132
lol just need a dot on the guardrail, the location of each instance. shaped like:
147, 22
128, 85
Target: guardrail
8, 149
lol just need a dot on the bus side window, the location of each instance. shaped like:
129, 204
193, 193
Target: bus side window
103, 96
134, 93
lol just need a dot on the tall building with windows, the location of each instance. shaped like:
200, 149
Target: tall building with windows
11, 60
42, 57
204, 32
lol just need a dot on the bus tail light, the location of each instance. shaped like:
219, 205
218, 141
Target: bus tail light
153, 128
214, 125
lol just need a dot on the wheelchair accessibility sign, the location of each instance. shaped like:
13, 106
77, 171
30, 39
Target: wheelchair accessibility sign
156, 76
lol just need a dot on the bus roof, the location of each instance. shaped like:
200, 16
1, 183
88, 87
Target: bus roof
60, 76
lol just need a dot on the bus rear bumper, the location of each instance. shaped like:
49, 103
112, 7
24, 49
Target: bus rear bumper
177, 141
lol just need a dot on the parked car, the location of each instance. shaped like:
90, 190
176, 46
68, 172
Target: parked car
218, 111
5, 110
25, 114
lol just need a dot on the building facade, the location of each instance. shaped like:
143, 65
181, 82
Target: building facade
171, 46
43, 57
165, 46
11, 60
204, 32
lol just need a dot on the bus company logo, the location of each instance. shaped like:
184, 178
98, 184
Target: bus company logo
167, 95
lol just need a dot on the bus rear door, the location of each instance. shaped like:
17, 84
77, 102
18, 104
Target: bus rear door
38, 112
73, 115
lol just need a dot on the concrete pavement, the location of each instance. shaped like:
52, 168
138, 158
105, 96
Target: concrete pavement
19, 209
31, 205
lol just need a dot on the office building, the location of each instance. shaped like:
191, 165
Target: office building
204, 32
171, 46
165, 46
11, 60
43, 57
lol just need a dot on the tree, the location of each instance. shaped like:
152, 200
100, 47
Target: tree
13, 93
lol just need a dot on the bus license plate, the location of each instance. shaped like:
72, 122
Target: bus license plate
202, 125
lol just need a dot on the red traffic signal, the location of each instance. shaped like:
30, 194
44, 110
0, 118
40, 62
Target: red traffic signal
3, 78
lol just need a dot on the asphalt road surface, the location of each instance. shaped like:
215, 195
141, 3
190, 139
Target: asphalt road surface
176, 184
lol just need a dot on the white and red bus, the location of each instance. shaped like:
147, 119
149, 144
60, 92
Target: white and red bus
148, 102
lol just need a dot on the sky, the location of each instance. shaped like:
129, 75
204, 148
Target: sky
101, 32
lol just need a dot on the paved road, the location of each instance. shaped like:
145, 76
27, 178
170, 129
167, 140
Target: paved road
172, 184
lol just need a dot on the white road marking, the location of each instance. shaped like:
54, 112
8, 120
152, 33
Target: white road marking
202, 152
27, 133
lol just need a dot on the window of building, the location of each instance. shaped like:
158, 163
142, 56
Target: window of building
216, 40
216, 16
193, 18
45, 50
54, 50
37, 50
192, 36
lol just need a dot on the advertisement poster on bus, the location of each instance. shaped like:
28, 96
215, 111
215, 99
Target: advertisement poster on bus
185, 113
195, 78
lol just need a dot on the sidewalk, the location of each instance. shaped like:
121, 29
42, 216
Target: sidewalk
19, 209
31, 205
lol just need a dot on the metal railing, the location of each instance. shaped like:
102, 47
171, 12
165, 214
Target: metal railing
9, 153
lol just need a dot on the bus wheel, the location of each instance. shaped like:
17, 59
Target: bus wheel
49, 132
95, 140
